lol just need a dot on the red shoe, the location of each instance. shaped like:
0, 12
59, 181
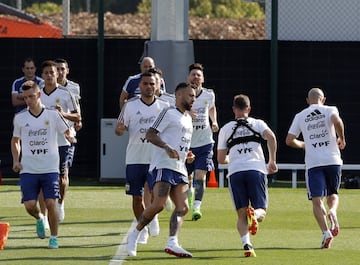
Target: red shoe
252, 222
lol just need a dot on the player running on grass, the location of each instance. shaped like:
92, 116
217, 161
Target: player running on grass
323, 133
171, 134
247, 169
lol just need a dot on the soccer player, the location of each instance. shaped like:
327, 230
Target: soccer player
202, 142
159, 81
131, 86
29, 70
323, 137
57, 97
171, 134
247, 170
63, 71
136, 117
164, 96
37, 128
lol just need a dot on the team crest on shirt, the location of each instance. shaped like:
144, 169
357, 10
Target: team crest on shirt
57, 101
47, 123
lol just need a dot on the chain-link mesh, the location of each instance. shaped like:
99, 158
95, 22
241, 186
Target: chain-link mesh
120, 20
319, 20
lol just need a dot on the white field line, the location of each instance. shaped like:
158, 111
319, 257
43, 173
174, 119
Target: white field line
121, 253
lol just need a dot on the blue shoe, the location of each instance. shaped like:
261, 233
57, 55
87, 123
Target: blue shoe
53, 242
40, 228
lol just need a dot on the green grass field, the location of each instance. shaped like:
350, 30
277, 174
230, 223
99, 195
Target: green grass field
99, 216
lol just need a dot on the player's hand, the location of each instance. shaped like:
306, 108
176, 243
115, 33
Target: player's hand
193, 114
214, 127
272, 167
59, 108
190, 157
341, 143
78, 125
120, 128
17, 167
172, 153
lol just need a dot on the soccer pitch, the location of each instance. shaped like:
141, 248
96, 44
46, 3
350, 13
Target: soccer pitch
99, 216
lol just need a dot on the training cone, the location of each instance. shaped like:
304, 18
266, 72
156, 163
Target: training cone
212, 183
4, 232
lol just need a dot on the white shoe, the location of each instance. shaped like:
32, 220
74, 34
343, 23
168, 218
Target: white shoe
168, 205
143, 236
177, 251
326, 240
154, 226
61, 211
46, 222
131, 244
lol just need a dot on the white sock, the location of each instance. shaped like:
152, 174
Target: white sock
41, 216
197, 204
246, 239
173, 240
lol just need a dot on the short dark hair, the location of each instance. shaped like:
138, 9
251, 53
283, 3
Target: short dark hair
197, 66
60, 60
29, 84
156, 70
241, 102
48, 63
181, 86
148, 73
28, 60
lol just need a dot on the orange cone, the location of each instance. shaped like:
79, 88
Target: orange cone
4, 232
212, 183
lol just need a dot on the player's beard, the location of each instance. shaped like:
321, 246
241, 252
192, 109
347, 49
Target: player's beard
187, 106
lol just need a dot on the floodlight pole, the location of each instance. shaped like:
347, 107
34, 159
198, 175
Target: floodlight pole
274, 64
100, 71
66, 17
19, 4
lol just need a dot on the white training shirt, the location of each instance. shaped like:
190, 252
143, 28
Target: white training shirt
74, 88
244, 156
60, 96
39, 148
202, 134
138, 117
175, 128
319, 135
168, 97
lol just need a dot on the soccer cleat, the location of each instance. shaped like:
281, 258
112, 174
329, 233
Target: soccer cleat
154, 226
61, 211
196, 214
53, 242
326, 240
40, 228
46, 223
131, 244
249, 251
190, 195
334, 224
177, 251
252, 222
143, 236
